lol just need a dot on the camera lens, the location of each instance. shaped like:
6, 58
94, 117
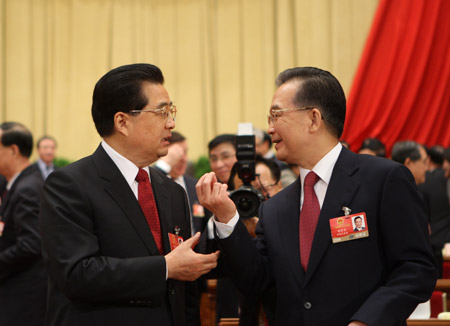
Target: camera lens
247, 200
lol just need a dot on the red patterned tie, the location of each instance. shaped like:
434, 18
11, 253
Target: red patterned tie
148, 205
308, 218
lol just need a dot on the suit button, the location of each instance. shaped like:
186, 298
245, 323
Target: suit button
307, 305
148, 303
172, 291
131, 302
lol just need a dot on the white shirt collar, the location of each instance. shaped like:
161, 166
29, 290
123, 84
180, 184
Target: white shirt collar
324, 168
128, 169
12, 180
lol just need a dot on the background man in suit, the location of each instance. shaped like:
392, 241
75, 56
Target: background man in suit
413, 156
432, 188
23, 278
46, 148
174, 164
374, 280
106, 229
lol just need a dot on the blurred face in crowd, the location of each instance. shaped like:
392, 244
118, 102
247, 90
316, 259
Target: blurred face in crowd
418, 168
47, 150
222, 158
261, 147
265, 183
180, 166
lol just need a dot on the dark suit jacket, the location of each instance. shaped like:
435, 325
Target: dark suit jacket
434, 192
198, 222
378, 280
104, 265
23, 278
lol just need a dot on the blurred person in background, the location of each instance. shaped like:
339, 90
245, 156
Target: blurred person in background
432, 189
446, 167
23, 276
174, 165
263, 147
372, 146
46, 148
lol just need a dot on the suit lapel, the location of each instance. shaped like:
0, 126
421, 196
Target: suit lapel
288, 221
117, 187
340, 192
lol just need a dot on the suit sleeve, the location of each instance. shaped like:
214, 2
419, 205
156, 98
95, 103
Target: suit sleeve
410, 264
75, 259
246, 258
24, 220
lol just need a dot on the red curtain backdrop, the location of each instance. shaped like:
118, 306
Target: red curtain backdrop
401, 90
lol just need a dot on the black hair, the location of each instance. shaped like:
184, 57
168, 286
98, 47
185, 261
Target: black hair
120, 90
406, 149
447, 154
436, 154
375, 145
273, 167
221, 139
15, 133
318, 88
267, 138
176, 138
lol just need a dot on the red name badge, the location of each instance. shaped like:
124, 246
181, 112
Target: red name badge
175, 240
349, 227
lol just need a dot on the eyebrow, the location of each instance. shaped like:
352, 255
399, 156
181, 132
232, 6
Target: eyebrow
275, 107
163, 104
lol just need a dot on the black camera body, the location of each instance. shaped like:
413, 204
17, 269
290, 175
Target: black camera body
247, 199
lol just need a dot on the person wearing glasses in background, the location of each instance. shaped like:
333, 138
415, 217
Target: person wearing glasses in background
324, 275
106, 220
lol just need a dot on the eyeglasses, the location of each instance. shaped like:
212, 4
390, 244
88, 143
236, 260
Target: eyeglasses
275, 114
166, 111
265, 188
222, 157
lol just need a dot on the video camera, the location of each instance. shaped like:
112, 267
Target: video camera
247, 199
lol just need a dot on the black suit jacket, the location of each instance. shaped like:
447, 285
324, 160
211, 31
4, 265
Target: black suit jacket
200, 220
23, 278
378, 280
104, 265
434, 192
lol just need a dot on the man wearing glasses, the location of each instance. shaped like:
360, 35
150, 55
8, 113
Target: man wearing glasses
112, 226
326, 274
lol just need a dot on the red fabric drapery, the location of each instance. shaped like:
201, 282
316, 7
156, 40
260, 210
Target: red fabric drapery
401, 90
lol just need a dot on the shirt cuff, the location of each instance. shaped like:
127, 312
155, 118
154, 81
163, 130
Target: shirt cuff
223, 230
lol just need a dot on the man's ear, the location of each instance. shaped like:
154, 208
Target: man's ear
316, 119
407, 162
121, 123
15, 149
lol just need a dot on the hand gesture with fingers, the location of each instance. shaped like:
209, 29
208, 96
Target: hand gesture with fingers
186, 265
214, 196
